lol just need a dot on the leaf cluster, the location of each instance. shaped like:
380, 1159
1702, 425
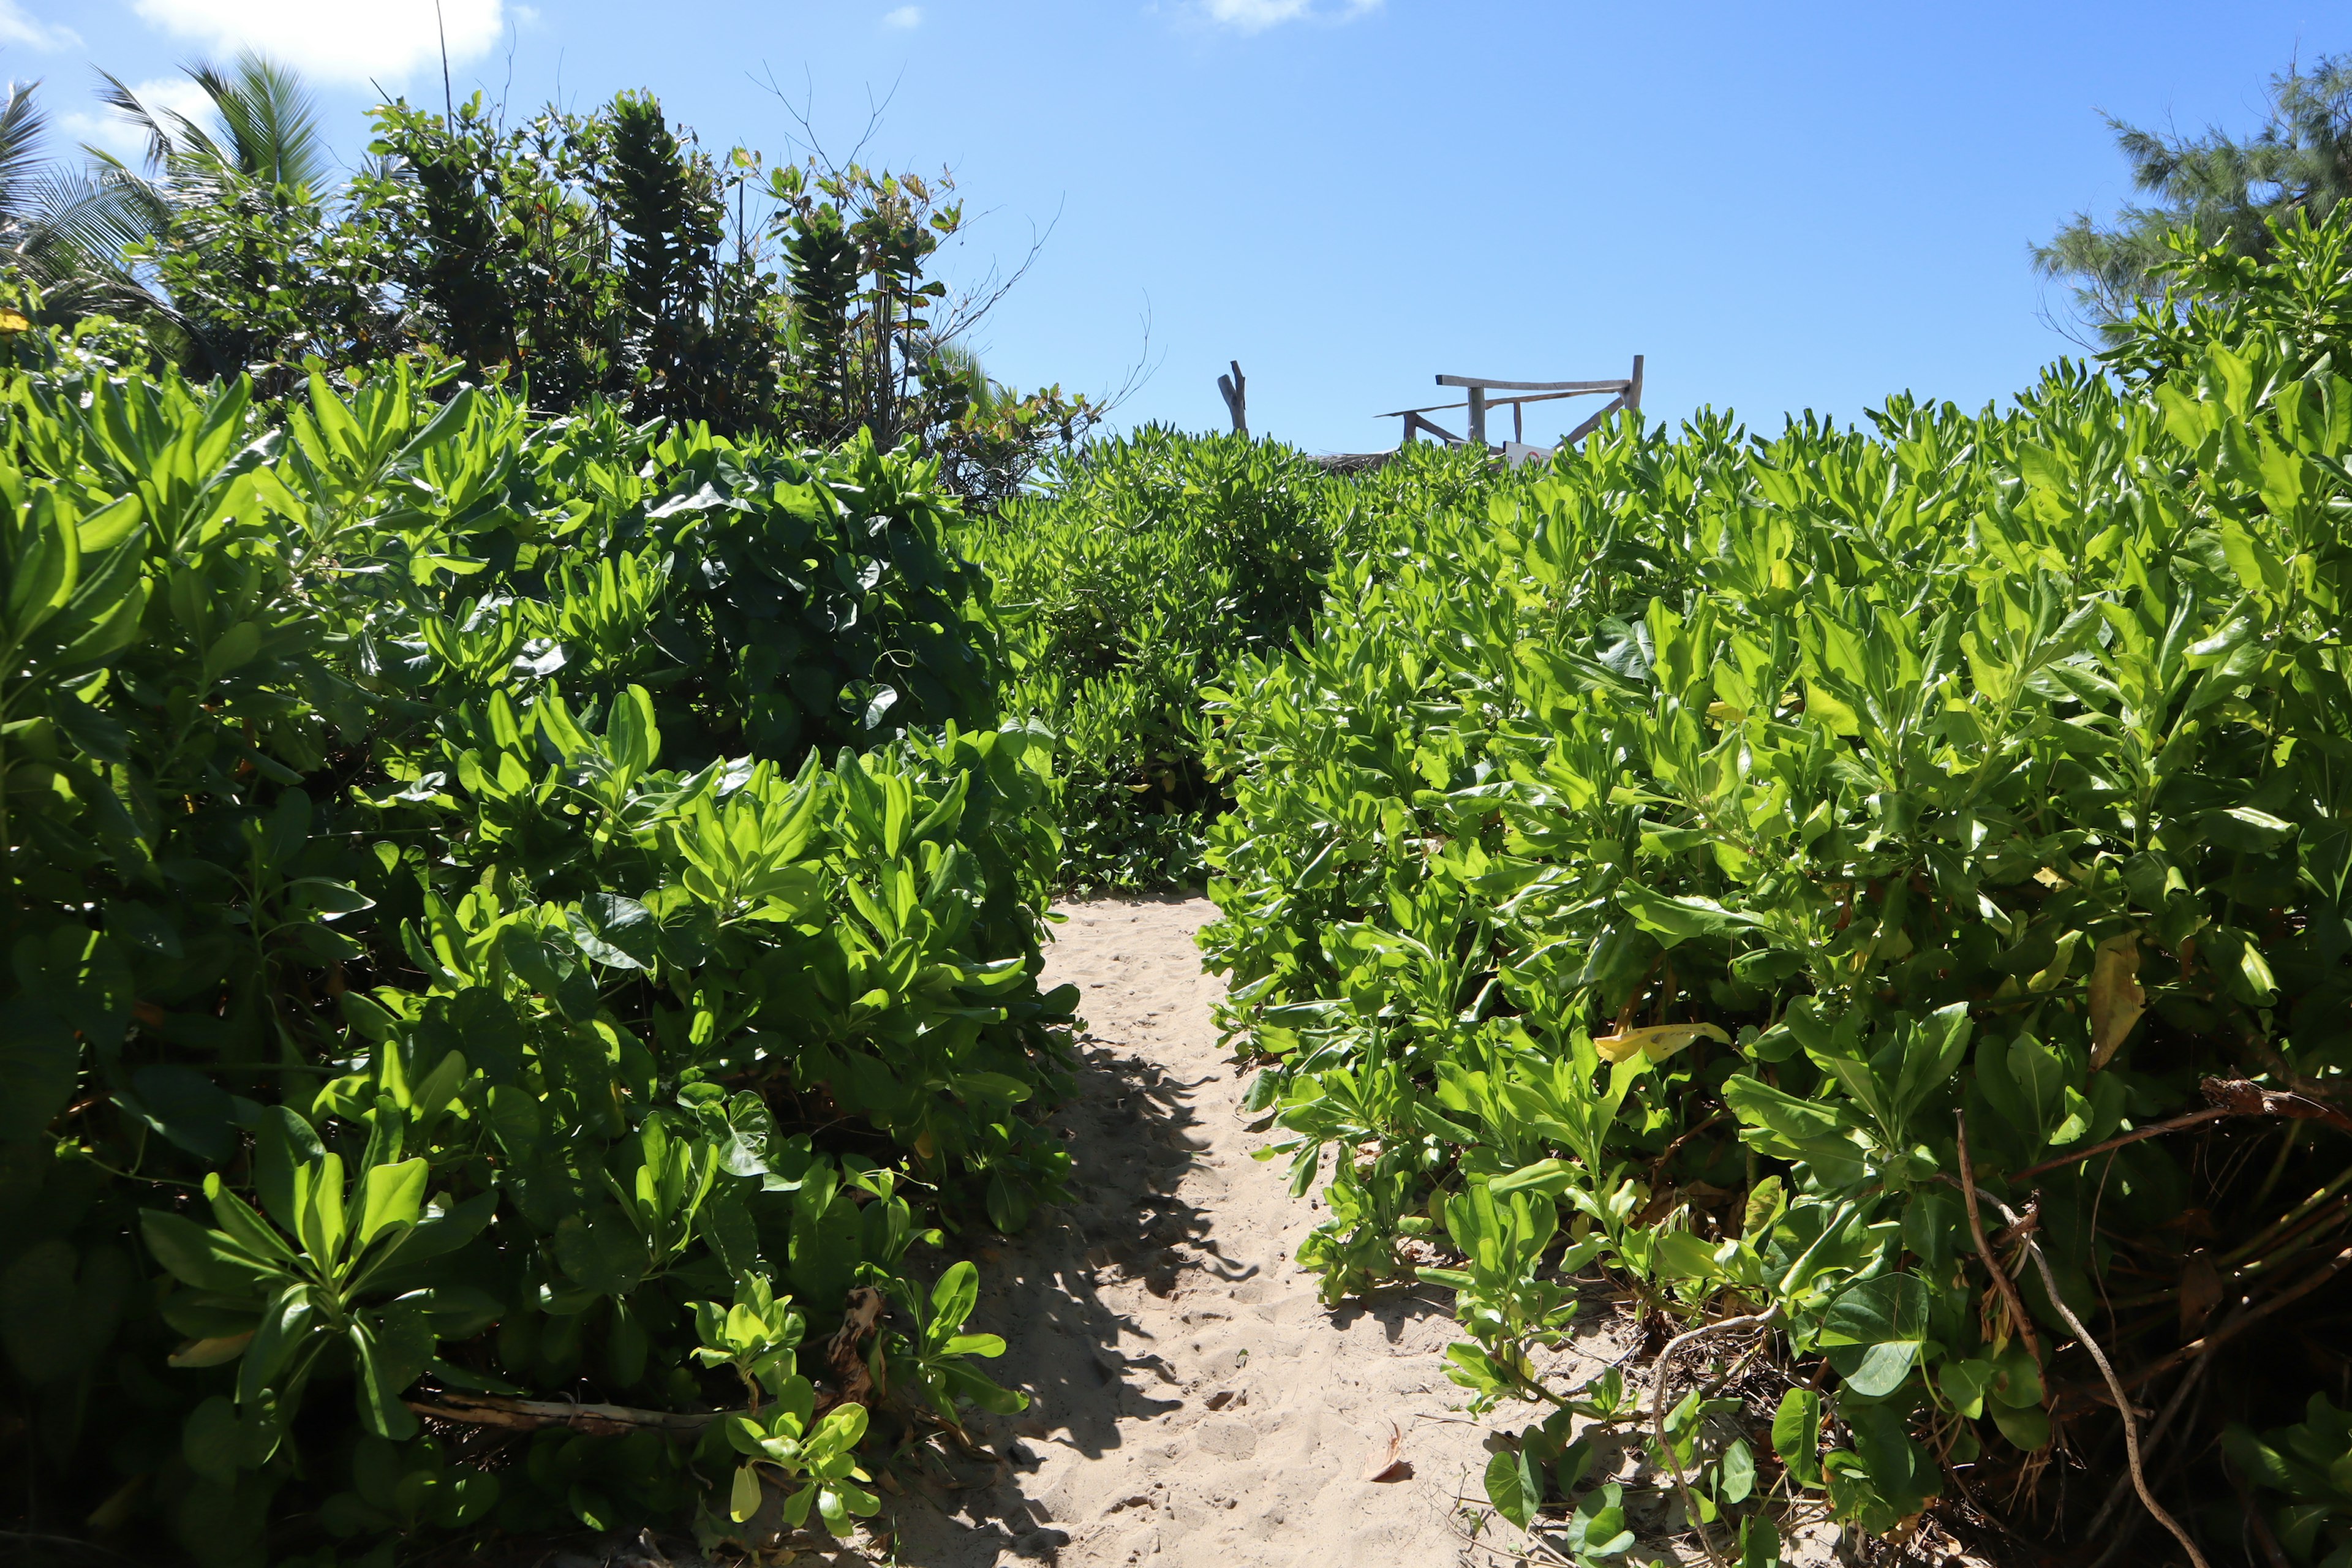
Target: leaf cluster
480, 888
1662, 869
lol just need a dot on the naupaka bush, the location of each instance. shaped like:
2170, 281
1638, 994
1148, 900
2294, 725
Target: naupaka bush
505, 917
1886, 890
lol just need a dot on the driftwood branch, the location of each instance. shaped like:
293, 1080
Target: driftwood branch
2228, 1097
529, 1414
1234, 389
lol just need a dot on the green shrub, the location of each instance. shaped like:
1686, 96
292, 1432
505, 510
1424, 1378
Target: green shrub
1145, 567
497, 909
1149, 562
1652, 872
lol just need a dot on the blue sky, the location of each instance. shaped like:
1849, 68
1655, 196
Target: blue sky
1782, 207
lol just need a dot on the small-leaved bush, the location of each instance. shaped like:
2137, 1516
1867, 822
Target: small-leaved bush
1699, 865
502, 914
1135, 575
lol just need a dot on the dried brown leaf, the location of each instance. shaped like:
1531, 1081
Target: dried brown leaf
2116, 997
1385, 1464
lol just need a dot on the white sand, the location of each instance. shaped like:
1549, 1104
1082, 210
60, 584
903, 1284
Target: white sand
1195, 1405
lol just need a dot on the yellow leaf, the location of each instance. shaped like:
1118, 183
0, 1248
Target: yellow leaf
14, 321
2117, 998
1657, 1042
2061, 964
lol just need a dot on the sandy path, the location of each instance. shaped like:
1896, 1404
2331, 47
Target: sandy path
1195, 1405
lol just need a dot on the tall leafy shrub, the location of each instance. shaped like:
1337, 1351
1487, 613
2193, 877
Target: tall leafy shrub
1134, 578
1149, 563
1884, 892
505, 918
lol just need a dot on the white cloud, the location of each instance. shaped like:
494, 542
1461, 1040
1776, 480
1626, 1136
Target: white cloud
1258, 16
352, 41
904, 17
16, 27
108, 132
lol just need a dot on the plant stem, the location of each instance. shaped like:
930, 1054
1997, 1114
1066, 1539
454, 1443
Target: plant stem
2123, 1401
1675, 1347
7, 847
2000, 1279
2287, 1221
2193, 1119
2246, 1317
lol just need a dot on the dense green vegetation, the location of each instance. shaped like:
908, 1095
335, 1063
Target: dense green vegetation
542, 709
603, 256
1799, 877
498, 909
1138, 573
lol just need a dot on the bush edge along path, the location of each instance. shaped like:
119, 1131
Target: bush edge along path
540, 909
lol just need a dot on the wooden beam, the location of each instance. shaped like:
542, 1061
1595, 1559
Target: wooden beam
1235, 391
1581, 431
1634, 387
1611, 387
1477, 434
1413, 421
1485, 385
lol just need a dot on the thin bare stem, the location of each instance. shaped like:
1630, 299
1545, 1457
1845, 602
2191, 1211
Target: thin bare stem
1658, 1403
2000, 1279
2193, 1119
2246, 1317
2122, 1401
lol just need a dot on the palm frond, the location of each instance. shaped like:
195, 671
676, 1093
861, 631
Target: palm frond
117, 95
21, 126
272, 120
98, 213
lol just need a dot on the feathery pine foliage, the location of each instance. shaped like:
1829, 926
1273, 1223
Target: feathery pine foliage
1699, 866
497, 909
2213, 190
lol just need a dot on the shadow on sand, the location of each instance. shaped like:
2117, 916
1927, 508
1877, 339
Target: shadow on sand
1085, 1366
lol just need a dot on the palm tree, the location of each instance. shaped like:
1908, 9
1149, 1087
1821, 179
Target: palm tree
61, 230
266, 145
68, 231
269, 124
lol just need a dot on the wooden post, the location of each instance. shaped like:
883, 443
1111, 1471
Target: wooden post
1477, 435
1518, 421
1633, 388
1235, 389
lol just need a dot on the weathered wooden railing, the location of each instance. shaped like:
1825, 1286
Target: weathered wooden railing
1623, 394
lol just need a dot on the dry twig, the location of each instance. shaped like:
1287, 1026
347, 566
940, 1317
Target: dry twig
2123, 1401
2229, 1096
1658, 1403
2245, 1318
2000, 1279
